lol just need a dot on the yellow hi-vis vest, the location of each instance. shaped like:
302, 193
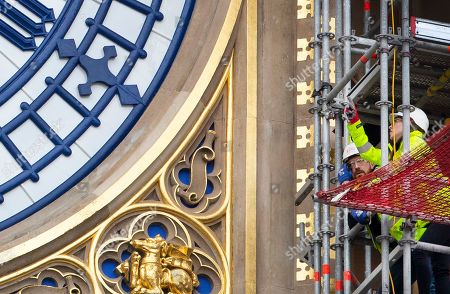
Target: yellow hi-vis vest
370, 153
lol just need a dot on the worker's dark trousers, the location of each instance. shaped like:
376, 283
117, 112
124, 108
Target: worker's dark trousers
439, 266
425, 264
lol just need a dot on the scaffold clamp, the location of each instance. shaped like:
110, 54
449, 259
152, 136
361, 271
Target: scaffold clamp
327, 232
330, 35
323, 166
382, 103
313, 44
349, 38
314, 175
312, 110
404, 106
412, 242
337, 245
384, 237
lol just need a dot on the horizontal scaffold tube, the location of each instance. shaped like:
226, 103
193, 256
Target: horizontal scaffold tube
419, 44
349, 75
433, 247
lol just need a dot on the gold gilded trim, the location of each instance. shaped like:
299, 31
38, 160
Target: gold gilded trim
251, 147
224, 81
229, 168
205, 232
141, 165
55, 258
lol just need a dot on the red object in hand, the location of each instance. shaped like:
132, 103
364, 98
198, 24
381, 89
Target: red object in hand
352, 114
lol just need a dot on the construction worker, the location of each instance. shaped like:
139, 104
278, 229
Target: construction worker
354, 167
424, 231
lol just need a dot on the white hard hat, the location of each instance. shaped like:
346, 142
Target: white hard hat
419, 117
349, 151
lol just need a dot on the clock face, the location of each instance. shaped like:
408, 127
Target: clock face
75, 77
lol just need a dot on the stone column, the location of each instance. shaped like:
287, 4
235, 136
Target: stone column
276, 146
263, 170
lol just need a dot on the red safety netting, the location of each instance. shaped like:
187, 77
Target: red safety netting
417, 184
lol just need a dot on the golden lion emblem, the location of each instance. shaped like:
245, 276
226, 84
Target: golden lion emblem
157, 265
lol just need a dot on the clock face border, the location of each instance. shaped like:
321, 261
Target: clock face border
48, 46
43, 52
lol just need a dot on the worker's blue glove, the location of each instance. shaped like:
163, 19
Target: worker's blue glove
361, 216
344, 174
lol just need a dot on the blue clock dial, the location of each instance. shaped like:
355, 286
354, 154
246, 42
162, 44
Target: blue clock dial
77, 76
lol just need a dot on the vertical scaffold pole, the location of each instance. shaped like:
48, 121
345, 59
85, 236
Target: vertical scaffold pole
347, 66
405, 107
338, 246
317, 142
326, 166
367, 247
366, 30
384, 121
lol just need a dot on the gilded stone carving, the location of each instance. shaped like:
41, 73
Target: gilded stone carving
196, 190
157, 265
57, 278
68, 287
195, 181
153, 250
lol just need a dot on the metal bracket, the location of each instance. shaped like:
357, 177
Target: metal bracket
384, 237
409, 241
314, 44
389, 37
314, 175
329, 233
316, 240
323, 166
402, 106
312, 110
336, 245
350, 38
326, 34
382, 103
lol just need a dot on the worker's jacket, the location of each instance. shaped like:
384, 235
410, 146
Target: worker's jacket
370, 153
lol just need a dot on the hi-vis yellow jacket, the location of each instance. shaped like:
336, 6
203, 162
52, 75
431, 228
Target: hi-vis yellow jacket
370, 153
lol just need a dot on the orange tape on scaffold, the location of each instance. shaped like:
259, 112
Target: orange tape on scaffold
316, 276
326, 269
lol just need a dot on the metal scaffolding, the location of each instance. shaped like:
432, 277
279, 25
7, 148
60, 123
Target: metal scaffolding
328, 105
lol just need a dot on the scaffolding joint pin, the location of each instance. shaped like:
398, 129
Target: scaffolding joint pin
314, 109
315, 175
323, 166
313, 44
349, 38
411, 242
382, 103
384, 237
336, 245
411, 41
388, 37
326, 34
326, 232
404, 106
